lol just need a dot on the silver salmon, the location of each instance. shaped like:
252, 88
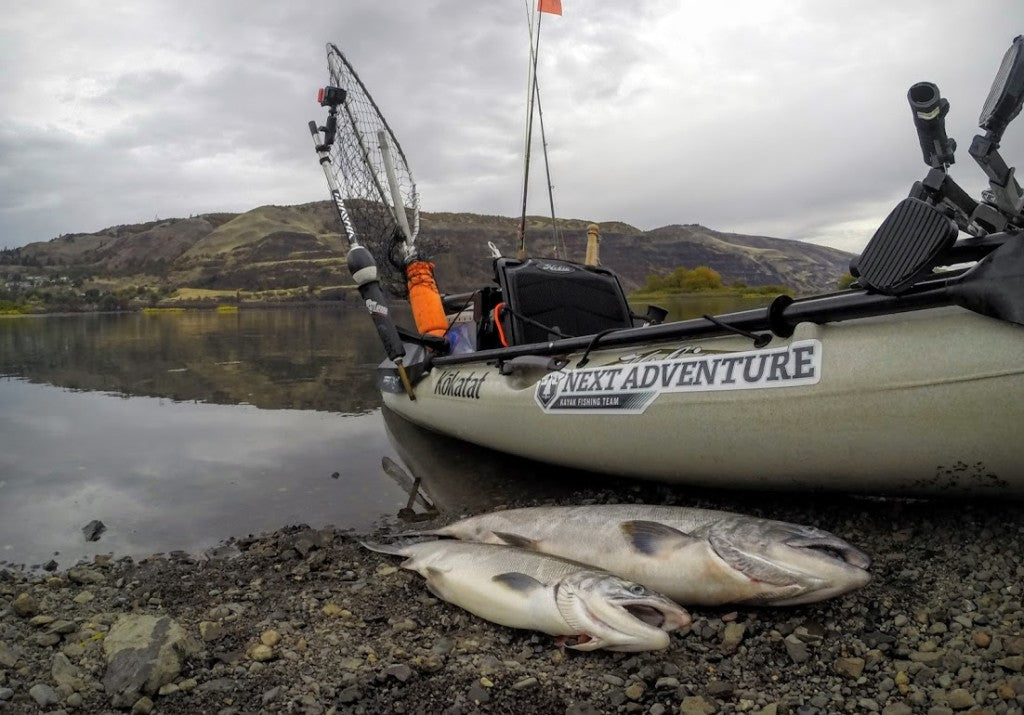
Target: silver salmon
524, 589
695, 556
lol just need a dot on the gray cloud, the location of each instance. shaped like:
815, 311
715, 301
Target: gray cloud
786, 119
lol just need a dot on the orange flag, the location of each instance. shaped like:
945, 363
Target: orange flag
552, 6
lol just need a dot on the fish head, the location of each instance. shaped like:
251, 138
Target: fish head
617, 614
823, 564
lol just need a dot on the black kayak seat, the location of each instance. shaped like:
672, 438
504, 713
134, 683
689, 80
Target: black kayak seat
569, 297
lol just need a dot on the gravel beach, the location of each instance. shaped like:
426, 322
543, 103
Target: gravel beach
307, 621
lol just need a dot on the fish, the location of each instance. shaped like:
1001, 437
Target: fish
698, 557
528, 590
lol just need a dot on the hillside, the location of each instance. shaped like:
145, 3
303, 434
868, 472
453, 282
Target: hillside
288, 247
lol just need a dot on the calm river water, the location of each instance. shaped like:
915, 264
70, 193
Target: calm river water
178, 431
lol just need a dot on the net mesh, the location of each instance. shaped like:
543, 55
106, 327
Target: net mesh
358, 164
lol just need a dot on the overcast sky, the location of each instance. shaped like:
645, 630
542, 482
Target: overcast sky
784, 118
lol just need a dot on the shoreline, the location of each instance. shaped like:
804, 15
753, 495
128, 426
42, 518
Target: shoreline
305, 620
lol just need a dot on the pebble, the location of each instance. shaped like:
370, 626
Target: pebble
897, 709
261, 653
25, 605
211, 631
270, 638
142, 706
333, 610
477, 693
527, 682
960, 699
403, 625
850, 667
696, 705
797, 649
732, 636
1014, 662
6, 694
400, 672
635, 691
43, 695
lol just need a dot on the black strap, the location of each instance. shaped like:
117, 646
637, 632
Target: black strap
760, 339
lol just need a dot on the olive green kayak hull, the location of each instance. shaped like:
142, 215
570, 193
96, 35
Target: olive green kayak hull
914, 403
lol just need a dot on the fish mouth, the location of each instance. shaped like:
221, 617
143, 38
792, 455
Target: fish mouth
835, 568
658, 617
651, 633
849, 555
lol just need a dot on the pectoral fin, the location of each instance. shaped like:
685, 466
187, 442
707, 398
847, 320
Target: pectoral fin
434, 576
653, 538
521, 582
520, 542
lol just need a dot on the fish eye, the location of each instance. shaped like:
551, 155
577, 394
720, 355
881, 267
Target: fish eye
637, 590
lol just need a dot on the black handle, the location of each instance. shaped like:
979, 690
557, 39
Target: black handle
930, 109
364, 271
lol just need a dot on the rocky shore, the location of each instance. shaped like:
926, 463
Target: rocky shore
307, 621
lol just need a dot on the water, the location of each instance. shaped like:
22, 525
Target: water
178, 431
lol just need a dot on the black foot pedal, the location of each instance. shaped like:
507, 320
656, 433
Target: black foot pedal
910, 241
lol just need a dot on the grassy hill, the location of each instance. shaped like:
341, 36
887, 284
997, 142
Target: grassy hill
299, 248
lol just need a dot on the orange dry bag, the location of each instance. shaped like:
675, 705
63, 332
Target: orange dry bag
424, 299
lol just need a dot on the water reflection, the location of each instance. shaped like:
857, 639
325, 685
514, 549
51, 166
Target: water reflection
455, 478
164, 475
302, 359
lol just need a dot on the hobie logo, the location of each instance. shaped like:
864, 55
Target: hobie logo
554, 267
631, 388
376, 308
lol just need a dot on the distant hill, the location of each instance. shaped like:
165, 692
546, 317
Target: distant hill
281, 247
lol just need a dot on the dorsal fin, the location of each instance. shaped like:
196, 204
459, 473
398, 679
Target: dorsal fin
520, 542
652, 537
518, 581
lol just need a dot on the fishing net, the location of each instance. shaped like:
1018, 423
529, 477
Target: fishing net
358, 163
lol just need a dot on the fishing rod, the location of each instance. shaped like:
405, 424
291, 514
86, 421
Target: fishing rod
531, 90
556, 235
534, 98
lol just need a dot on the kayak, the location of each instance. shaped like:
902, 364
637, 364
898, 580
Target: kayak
909, 382
913, 403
